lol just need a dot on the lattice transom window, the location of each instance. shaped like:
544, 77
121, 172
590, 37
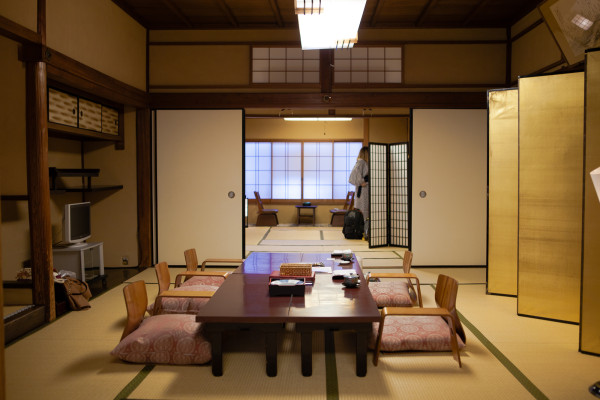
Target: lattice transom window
368, 65
284, 65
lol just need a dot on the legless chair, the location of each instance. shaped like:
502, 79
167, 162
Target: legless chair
337, 214
143, 340
399, 292
422, 329
182, 299
215, 278
266, 217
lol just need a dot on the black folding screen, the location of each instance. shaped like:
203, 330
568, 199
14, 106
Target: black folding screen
389, 195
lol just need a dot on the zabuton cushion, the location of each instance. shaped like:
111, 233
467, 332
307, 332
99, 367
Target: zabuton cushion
165, 339
391, 293
184, 305
424, 333
204, 280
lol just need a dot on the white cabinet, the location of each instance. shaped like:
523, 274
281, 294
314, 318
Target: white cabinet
86, 260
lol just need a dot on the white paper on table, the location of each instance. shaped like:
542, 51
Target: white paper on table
324, 270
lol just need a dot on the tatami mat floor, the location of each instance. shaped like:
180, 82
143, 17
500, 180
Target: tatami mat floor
506, 357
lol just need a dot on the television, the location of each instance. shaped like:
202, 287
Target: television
76, 223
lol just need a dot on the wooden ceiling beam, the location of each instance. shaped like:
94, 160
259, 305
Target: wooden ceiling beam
476, 10
175, 10
17, 32
425, 12
318, 100
228, 13
376, 13
276, 12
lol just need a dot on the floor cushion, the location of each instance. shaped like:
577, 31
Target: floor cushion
391, 293
184, 305
165, 339
204, 280
421, 333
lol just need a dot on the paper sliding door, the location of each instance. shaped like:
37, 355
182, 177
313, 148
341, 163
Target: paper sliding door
449, 187
199, 190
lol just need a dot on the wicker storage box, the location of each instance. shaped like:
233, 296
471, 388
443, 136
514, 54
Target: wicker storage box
295, 269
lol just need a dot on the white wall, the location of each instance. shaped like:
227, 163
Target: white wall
450, 165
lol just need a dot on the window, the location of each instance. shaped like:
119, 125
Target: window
368, 65
284, 65
300, 170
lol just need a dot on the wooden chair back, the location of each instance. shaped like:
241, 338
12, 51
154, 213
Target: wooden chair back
446, 291
407, 261
259, 202
136, 301
349, 204
163, 276
191, 259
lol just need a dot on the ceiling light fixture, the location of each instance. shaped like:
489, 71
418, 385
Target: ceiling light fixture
305, 119
329, 24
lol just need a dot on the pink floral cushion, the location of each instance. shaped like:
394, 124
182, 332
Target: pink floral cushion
204, 280
391, 293
184, 305
165, 339
414, 333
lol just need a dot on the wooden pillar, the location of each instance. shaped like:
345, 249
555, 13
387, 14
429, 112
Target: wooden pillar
38, 188
144, 187
2, 362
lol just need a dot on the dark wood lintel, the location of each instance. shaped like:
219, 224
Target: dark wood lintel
316, 100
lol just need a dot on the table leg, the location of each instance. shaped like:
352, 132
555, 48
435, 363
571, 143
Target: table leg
271, 352
217, 353
361, 353
306, 352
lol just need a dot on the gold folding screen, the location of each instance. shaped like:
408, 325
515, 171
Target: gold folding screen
503, 190
550, 196
590, 295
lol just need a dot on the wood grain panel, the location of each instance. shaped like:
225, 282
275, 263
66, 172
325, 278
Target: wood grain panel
590, 295
503, 191
550, 195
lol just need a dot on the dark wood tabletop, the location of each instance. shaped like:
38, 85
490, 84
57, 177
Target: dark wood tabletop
244, 296
243, 301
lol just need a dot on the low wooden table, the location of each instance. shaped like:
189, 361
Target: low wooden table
313, 208
243, 301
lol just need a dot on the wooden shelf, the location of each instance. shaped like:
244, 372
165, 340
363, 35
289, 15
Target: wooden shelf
70, 132
86, 189
74, 172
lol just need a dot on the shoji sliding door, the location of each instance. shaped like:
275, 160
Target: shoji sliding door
199, 184
389, 187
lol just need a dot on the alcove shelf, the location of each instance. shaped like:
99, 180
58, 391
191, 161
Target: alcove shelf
88, 173
73, 133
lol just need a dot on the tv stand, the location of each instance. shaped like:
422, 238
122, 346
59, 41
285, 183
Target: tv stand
85, 259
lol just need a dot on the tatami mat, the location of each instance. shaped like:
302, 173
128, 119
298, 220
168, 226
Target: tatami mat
506, 357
